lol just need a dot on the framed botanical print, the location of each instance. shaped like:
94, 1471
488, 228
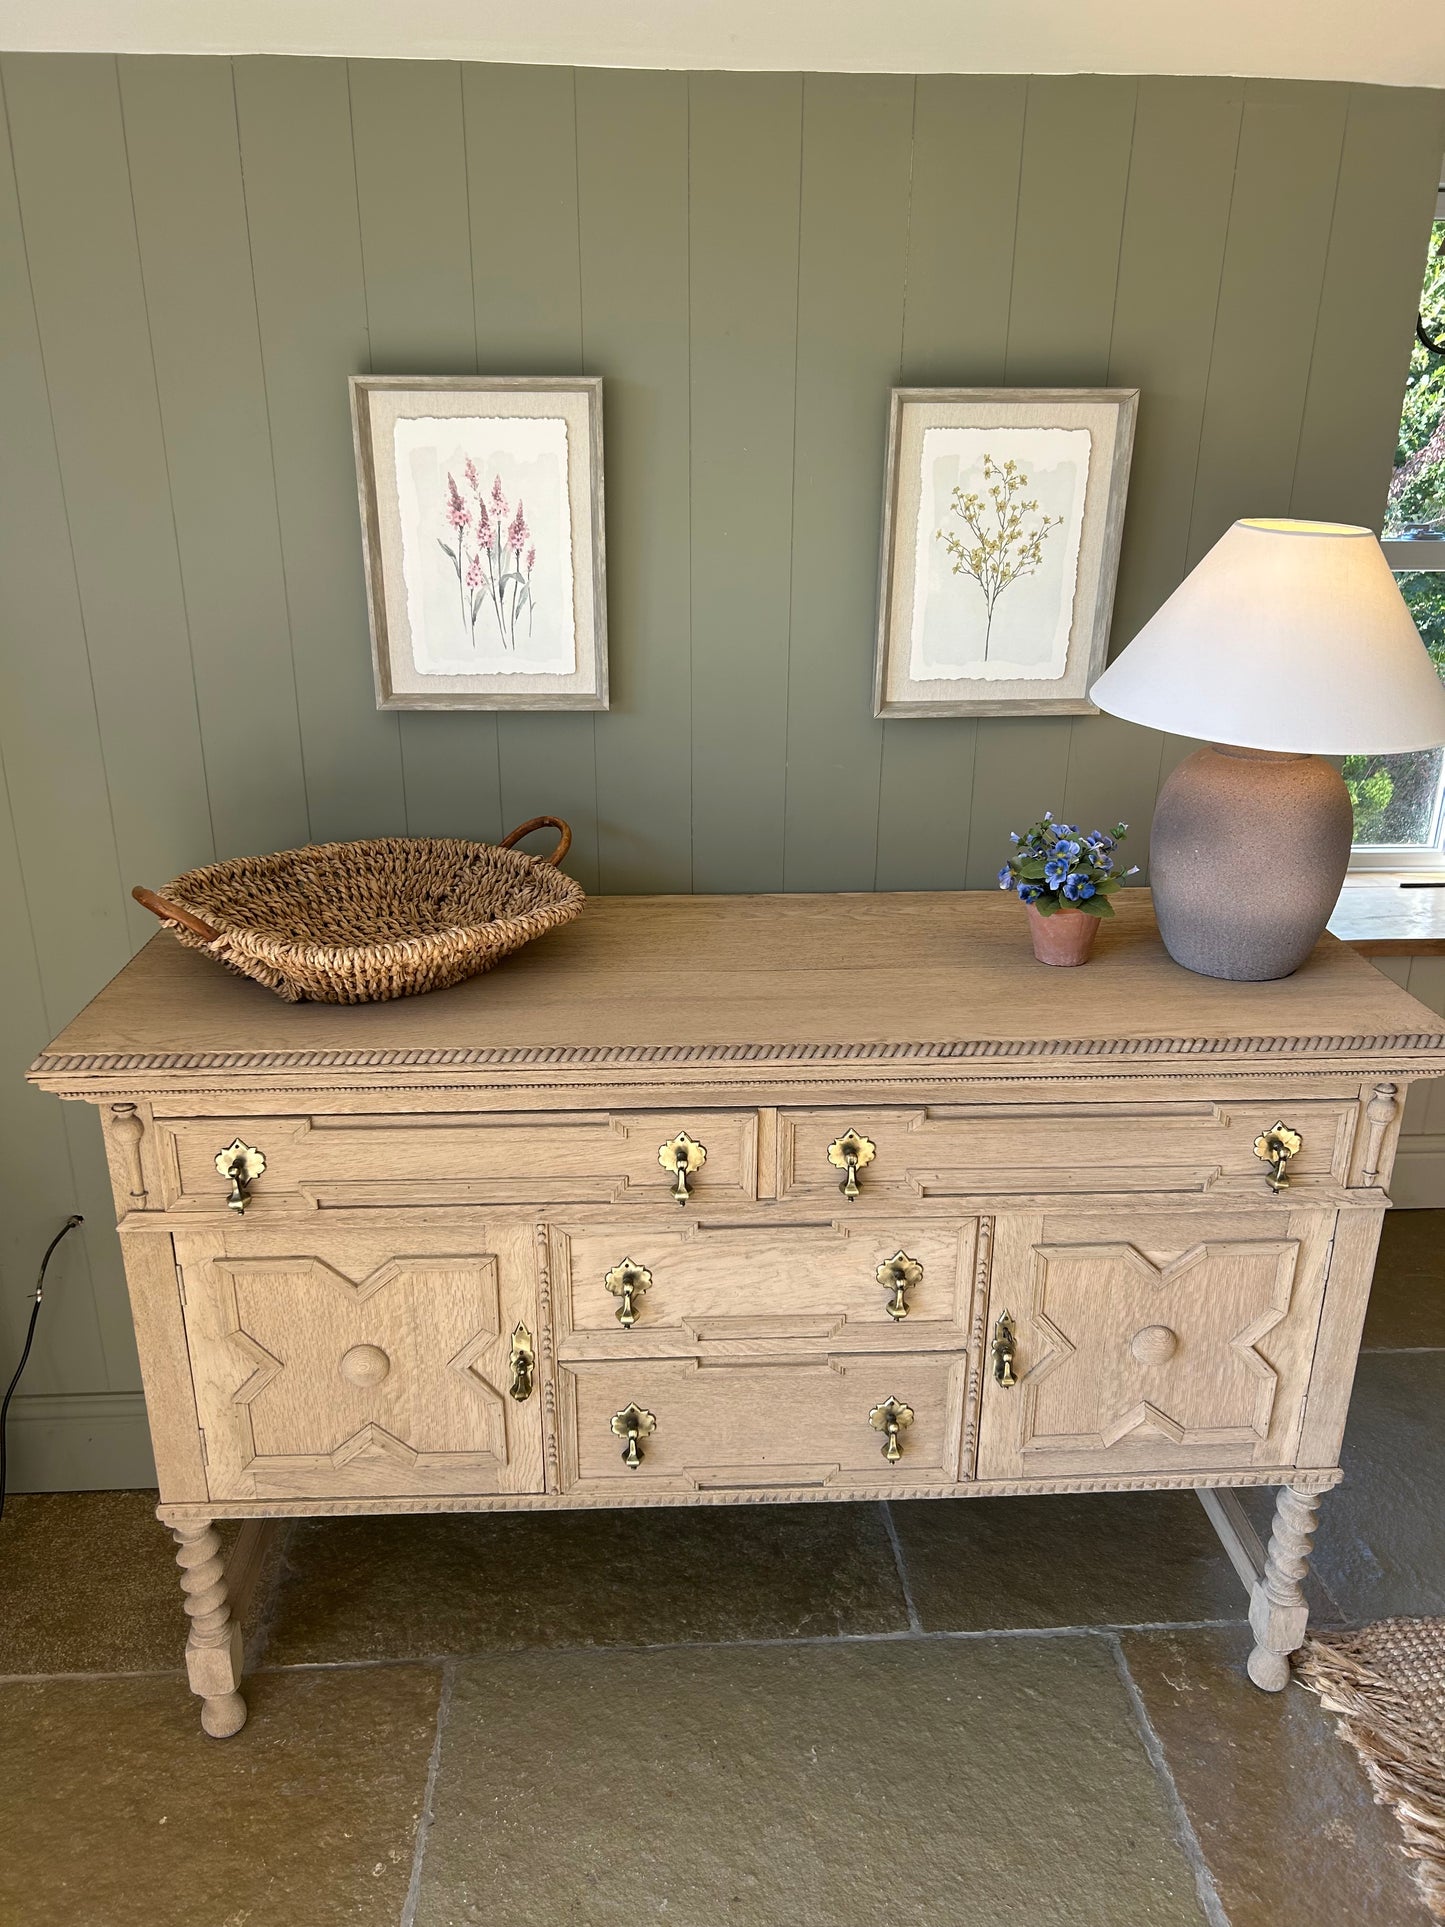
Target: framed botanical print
482, 529
1003, 510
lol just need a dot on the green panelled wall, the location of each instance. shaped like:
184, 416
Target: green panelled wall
195, 253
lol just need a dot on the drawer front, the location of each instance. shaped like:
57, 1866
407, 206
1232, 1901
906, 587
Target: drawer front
1151, 1342
440, 1158
361, 1366
641, 1287
1095, 1147
749, 1426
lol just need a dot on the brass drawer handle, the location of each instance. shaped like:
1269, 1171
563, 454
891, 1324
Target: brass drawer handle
633, 1424
242, 1164
523, 1362
1275, 1147
681, 1155
1002, 1351
891, 1417
849, 1154
627, 1281
899, 1274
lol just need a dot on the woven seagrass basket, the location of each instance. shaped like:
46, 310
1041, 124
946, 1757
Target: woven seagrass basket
357, 923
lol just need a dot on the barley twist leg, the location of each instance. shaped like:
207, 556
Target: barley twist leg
213, 1651
1278, 1614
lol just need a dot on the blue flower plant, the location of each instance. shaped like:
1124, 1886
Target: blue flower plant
1058, 867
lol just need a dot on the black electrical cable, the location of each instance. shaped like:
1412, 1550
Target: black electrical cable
69, 1225
1435, 347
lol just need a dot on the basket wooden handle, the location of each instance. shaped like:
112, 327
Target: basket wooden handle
538, 823
170, 912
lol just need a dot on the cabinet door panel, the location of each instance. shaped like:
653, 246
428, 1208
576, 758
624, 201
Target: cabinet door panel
1152, 1343
373, 1364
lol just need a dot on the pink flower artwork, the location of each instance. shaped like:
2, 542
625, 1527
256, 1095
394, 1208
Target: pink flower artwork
489, 567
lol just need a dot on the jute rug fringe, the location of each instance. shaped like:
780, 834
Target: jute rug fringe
1398, 1744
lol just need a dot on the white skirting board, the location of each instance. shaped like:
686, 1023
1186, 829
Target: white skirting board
79, 1442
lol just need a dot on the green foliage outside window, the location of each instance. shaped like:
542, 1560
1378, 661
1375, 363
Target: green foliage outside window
1417, 489
1394, 796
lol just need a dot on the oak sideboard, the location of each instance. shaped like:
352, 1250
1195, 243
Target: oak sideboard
741, 1200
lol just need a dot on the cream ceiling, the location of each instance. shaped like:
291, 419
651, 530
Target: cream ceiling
1304, 39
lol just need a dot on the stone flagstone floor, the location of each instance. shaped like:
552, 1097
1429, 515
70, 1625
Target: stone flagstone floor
1011, 1713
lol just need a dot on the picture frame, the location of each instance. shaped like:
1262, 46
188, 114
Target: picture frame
482, 529
1003, 512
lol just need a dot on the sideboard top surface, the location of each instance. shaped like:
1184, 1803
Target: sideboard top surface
639, 983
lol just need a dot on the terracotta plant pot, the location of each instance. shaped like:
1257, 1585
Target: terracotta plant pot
1067, 937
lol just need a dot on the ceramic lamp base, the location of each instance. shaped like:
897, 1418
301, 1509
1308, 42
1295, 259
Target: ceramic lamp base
1246, 859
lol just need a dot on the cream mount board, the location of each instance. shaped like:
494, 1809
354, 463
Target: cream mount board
747, 1200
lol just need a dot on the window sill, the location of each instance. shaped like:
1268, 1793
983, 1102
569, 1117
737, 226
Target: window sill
1378, 917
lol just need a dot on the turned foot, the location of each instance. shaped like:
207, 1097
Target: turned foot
1278, 1614
213, 1651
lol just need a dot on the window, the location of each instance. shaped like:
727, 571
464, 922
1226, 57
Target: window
1400, 800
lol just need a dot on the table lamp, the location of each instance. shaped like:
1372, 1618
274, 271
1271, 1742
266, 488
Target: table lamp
1288, 643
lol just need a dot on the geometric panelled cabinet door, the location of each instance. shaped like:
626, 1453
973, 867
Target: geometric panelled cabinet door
312, 1381
1189, 1359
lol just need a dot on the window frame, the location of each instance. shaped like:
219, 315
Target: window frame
1416, 558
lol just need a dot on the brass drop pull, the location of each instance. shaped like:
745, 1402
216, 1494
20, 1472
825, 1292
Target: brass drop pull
891, 1417
524, 1365
633, 1424
1275, 1147
242, 1164
627, 1281
899, 1274
849, 1154
1002, 1351
681, 1155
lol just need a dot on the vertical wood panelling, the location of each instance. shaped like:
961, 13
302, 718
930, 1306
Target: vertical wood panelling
185, 170
521, 127
63, 932
1363, 335
300, 176
1269, 295
743, 303
196, 253
967, 134
49, 733
75, 202
411, 190
1078, 133
632, 170
1186, 133
39, 1189
857, 136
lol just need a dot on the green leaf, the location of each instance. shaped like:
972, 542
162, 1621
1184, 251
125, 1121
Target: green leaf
1046, 906
1097, 907
1032, 869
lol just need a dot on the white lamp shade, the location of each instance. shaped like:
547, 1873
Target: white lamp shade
1287, 636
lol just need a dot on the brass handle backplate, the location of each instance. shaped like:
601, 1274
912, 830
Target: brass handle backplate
523, 1361
1275, 1147
627, 1281
1002, 1351
633, 1425
242, 1164
849, 1154
681, 1155
891, 1418
899, 1274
